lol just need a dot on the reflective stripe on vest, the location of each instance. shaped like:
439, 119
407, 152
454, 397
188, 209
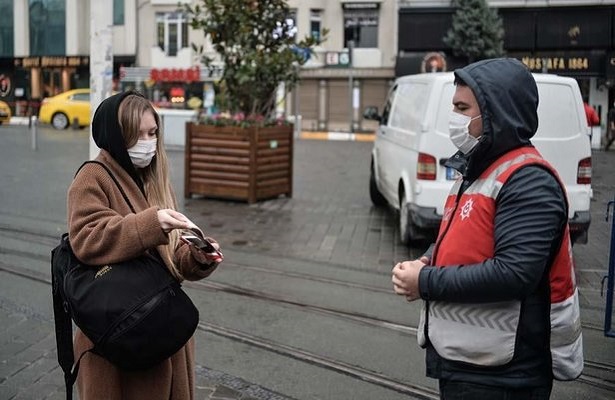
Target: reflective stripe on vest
484, 334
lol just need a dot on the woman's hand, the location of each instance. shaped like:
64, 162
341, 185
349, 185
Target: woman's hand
171, 219
209, 259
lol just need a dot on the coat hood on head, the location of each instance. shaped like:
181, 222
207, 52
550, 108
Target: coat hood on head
108, 136
507, 95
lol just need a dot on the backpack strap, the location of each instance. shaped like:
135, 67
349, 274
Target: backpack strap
112, 177
63, 327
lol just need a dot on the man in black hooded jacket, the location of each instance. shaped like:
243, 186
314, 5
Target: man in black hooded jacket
487, 282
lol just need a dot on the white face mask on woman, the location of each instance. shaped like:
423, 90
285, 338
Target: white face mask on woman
142, 152
459, 132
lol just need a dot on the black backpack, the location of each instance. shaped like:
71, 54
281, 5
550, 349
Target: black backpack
134, 312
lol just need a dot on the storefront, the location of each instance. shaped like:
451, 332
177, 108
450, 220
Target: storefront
30, 79
571, 41
170, 87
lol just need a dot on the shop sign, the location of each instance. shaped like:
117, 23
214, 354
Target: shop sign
361, 6
433, 62
571, 64
175, 74
337, 59
5, 85
52, 61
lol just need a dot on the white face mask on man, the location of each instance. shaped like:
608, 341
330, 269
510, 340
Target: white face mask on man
459, 131
142, 152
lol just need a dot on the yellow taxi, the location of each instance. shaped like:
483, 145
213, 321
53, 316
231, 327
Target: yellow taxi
5, 112
65, 108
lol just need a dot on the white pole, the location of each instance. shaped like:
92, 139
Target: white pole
101, 57
350, 85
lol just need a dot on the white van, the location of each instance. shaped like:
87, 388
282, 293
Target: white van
412, 143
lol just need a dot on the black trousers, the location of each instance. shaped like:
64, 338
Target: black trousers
454, 390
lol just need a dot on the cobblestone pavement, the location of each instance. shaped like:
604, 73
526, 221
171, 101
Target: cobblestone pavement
311, 226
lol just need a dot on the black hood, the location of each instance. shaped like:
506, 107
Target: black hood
508, 99
108, 136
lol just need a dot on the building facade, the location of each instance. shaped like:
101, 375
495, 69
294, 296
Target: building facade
45, 48
333, 90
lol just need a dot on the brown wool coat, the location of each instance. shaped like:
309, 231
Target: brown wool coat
103, 230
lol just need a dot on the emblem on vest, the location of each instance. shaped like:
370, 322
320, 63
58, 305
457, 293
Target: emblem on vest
466, 209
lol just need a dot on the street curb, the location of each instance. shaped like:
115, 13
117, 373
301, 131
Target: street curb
19, 121
340, 136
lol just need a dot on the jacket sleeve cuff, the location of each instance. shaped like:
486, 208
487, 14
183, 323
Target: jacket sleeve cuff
149, 229
429, 252
424, 282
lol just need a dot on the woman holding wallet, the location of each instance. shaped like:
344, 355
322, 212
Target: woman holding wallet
103, 230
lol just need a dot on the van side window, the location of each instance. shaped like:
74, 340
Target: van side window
387, 107
409, 107
555, 116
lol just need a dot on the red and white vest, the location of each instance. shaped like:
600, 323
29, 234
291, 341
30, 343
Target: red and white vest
484, 333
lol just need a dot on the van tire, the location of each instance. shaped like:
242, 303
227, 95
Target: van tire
374, 194
405, 225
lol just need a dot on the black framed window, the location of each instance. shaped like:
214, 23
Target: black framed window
361, 26
316, 24
6, 28
171, 32
118, 12
47, 24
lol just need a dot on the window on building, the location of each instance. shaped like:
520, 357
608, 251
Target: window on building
172, 31
315, 24
6, 28
118, 12
361, 24
47, 27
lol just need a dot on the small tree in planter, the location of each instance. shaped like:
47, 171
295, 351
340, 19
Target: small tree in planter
256, 41
242, 156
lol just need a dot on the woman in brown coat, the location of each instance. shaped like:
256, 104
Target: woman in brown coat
103, 230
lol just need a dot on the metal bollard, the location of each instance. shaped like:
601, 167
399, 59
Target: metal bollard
33, 122
608, 313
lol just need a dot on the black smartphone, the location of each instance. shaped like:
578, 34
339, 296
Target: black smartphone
202, 244
205, 245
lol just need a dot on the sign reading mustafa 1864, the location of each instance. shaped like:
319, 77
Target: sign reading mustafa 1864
588, 64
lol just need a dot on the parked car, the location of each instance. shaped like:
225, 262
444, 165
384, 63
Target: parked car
412, 144
5, 112
66, 108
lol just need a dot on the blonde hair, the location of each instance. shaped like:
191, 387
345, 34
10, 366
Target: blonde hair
156, 181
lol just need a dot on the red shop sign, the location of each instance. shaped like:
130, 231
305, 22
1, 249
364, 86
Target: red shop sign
175, 74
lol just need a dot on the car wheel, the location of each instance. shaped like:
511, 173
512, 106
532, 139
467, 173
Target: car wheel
374, 194
405, 225
59, 121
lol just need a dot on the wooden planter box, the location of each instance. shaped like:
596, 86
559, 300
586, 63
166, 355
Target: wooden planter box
231, 162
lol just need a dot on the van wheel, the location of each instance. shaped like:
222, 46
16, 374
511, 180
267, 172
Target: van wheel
405, 225
59, 121
374, 194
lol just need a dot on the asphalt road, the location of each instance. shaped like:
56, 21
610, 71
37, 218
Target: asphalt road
302, 304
